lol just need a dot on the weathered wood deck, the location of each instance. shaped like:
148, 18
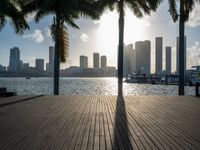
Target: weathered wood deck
99, 122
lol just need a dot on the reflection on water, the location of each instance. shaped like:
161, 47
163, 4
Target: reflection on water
86, 86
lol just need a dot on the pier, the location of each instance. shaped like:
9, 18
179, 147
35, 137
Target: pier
99, 122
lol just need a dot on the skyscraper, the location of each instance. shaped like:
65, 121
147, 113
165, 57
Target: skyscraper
129, 59
2, 68
14, 62
103, 62
39, 64
25, 67
159, 50
143, 57
83, 62
51, 58
168, 60
20, 65
177, 54
47, 67
95, 60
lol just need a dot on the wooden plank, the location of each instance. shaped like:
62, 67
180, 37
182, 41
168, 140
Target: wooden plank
86, 135
90, 143
108, 130
102, 134
100, 122
165, 127
118, 138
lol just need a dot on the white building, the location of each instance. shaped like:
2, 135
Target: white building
143, 57
129, 60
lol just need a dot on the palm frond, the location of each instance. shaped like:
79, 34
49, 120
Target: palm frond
9, 9
153, 4
135, 8
173, 10
64, 44
2, 21
103, 5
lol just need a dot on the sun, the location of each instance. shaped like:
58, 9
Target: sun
134, 29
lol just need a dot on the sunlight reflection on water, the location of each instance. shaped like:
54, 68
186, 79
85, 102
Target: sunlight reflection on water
86, 86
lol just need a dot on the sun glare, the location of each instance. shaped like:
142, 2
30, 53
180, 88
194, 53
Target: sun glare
135, 29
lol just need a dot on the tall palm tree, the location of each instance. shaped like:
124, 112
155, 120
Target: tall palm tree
139, 8
186, 6
64, 11
10, 9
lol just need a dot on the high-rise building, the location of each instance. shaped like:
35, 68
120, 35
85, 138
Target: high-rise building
95, 60
168, 60
20, 65
14, 62
83, 62
39, 64
2, 68
47, 67
103, 62
51, 58
129, 60
177, 54
159, 50
143, 57
25, 67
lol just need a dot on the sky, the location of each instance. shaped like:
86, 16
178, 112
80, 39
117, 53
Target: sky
102, 36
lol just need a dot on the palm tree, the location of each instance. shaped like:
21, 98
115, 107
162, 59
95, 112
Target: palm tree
64, 11
139, 8
186, 6
9, 9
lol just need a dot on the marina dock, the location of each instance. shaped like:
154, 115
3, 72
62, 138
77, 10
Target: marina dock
99, 122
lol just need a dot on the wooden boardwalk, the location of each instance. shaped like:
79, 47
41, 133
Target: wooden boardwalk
99, 122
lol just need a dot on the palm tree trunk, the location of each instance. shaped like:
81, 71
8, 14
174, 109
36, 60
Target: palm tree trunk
121, 47
181, 49
56, 58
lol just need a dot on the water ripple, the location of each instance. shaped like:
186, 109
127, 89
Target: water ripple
86, 86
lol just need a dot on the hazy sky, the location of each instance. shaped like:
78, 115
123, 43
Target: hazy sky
102, 36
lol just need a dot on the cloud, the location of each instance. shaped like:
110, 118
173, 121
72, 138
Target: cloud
194, 19
47, 32
96, 22
193, 55
36, 36
31, 60
70, 61
145, 21
84, 37
30, 17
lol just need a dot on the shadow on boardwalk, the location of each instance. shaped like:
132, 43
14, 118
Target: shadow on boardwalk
121, 131
19, 101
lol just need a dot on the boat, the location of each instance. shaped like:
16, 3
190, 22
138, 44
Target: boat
137, 78
193, 75
28, 78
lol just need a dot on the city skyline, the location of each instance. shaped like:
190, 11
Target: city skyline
91, 36
16, 64
90, 63
130, 59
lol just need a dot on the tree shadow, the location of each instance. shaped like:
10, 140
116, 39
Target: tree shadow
19, 101
121, 131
